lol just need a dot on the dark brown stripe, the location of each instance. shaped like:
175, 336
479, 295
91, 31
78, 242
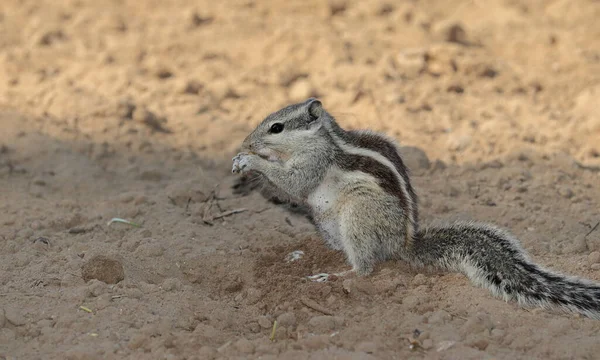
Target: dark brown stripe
368, 165
382, 146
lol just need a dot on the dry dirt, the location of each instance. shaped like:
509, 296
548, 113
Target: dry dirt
133, 109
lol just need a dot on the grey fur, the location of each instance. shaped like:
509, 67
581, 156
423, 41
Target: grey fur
358, 193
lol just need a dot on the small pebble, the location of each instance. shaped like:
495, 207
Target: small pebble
192, 87
97, 287
498, 333
419, 279
415, 158
324, 323
479, 343
287, 319
125, 109
245, 346
253, 296
264, 322
410, 302
439, 317
477, 324
316, 342
594, 258
337, 7
427, 344
566, 192
172, 284
14, 316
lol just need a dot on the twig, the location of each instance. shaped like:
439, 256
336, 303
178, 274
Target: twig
315, 306
591, 231
228, 213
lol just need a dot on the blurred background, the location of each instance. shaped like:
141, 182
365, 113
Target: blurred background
464, 80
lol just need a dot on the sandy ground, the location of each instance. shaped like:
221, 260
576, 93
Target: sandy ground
133, 109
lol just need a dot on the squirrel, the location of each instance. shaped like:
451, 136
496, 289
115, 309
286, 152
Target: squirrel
357, 190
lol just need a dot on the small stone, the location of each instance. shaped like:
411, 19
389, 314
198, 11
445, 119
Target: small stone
415, 158
36, 225
322, 324
264, 322
445, 345
150, 248
104, 269
125, 109
594, 258
245, 346
347, 286
595, 266
151, 175
419, 279
566, 192
459, 142
192, 87
439, 317
14, 316
126, 198
452, 32
498, 333
171, 284
254, 327
137, 341
150, 119
287, 319
316, 342
477, 324
51, 37
198, 20
253, 295
97, 287
410, 62
337, 7
479, 343
410, 302
427, 344
163, 73
300, 90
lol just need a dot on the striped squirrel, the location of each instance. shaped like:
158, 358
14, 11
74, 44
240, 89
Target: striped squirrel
358, 192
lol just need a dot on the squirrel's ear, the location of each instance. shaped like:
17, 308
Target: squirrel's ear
315, 108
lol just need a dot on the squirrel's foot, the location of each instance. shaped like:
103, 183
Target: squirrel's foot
324, 277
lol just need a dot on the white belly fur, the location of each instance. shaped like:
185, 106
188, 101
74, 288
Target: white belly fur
325, 199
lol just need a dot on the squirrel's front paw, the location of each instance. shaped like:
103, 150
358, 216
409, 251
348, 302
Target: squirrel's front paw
242, 163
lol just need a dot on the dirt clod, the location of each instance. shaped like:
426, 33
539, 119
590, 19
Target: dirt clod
104, 269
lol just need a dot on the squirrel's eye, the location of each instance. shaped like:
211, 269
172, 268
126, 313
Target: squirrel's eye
276, 128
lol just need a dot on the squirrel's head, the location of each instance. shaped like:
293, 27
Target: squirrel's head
295, 128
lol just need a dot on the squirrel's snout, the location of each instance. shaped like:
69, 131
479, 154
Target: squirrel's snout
246, 145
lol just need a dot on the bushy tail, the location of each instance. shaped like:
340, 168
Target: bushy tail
493, 258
